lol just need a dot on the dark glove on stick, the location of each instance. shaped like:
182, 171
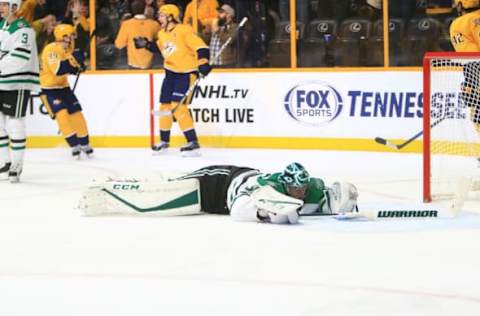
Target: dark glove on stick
204, 69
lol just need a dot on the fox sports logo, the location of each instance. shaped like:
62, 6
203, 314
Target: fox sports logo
313, 103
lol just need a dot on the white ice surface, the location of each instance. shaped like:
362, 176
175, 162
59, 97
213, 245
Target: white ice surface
54, 262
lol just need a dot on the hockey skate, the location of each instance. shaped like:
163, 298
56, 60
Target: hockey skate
161, 148
192, 149
76, 152
87, 150
14, 173
4, 171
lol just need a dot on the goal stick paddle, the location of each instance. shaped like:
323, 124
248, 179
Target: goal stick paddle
383, 141
197, 81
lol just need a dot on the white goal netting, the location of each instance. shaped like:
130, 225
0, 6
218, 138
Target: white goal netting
453, 105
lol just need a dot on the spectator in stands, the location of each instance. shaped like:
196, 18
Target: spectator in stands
138, 26
254, 36
77, 14
44, 31
206, 13
371, 10
150, 9
440, 9
111, 10
222, 29
59, 8
27, 9
301, 10
105, 35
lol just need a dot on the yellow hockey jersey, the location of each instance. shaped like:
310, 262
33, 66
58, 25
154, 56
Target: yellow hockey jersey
206, 12
52, 55
465, 32
138, 26
179, 48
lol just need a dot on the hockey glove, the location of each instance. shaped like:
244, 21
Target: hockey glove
204, 69
80, 58
76, 60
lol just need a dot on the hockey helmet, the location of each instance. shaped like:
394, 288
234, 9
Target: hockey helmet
467, 4
62, 30
295, 178
170, 10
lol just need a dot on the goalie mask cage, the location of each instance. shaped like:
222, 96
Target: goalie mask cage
451, 96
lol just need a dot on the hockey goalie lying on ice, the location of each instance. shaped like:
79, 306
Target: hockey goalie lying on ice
244, 193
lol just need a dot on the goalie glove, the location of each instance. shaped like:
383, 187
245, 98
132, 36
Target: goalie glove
340, 198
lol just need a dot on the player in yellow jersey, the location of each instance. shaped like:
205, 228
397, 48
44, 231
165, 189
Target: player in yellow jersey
186, 57
465, 37
59, 59
465, 30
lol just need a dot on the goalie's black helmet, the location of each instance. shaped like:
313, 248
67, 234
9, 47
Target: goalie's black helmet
295, 179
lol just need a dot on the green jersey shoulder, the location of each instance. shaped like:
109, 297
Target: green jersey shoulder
16, 25
315, 187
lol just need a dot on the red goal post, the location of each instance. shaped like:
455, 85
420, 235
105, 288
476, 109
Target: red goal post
450, 125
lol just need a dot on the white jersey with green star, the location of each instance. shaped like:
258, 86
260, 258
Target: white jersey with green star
19, 68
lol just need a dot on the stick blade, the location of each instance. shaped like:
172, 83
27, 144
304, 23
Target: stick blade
380, 140
383, 141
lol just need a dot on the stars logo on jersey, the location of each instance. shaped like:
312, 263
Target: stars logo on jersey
169, 48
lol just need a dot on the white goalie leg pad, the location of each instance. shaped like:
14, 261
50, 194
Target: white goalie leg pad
282, 208
141, 197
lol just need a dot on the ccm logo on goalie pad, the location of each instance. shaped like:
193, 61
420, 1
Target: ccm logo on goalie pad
144, 197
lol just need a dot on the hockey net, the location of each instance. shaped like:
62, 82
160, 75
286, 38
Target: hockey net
451, 125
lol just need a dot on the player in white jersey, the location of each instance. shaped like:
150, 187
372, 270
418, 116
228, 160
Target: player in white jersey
243, 193
19, 76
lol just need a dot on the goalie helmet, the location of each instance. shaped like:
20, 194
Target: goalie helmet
467, 4
295, 178
170, 10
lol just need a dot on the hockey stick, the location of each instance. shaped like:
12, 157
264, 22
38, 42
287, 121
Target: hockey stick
197, 81
383, 141
79, 72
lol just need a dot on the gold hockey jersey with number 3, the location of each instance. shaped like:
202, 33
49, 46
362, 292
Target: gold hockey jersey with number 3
179, 48
465, 32
52, 55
